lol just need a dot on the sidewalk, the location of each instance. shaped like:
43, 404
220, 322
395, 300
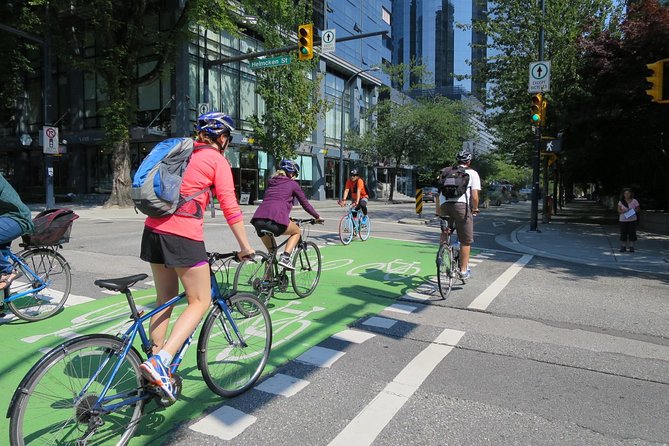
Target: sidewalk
587, 233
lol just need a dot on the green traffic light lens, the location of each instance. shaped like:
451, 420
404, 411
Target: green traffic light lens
304, 50
535, 118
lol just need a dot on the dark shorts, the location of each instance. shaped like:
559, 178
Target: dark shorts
172, 251
463, 219
264, 224
628, 231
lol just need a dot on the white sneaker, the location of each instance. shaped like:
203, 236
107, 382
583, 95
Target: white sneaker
284, 261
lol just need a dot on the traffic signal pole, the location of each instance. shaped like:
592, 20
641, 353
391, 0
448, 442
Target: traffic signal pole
536, 165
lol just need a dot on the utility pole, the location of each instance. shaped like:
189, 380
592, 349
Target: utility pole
534, 217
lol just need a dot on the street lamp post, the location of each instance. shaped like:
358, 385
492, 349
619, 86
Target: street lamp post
341, 137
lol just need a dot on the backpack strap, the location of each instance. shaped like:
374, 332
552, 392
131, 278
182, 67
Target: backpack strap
184, 200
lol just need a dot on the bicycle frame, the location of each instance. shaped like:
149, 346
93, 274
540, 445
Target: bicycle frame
275, 249
137, 327
16, 259
355, 218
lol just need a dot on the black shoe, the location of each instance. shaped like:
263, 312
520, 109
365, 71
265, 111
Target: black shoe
623, 249
632, 249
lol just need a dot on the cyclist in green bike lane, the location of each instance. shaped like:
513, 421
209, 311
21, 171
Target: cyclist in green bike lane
174, 245
359, 197
15, 220
273, 214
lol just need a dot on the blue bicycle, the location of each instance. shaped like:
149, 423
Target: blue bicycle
43, 280
89, 390
352, 224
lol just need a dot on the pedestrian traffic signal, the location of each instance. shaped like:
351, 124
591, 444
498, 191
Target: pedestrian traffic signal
305, 41
537, 109
659, 80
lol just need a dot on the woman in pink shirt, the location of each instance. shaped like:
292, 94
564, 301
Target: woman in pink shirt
174, 245
628, 208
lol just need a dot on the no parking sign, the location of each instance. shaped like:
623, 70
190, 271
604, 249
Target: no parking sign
50, 140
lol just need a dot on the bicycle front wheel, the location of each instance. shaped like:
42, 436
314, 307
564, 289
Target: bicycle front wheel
57, 401
307, 272
254, 276
48, 274
365, 228
444, 270
345, 230
232, 353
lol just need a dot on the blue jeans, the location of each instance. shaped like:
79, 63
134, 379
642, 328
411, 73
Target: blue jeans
9, 230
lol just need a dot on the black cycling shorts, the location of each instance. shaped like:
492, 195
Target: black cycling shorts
173, 251
264, 224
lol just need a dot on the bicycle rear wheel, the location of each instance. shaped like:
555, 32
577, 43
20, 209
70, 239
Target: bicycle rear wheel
444, 270
48, 270
232, 360
307, 272
253, 276
346, 230
365, 228
56, 403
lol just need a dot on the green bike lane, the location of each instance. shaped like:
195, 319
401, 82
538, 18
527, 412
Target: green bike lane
357, 281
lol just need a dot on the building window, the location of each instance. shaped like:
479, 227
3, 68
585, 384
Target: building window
385, 15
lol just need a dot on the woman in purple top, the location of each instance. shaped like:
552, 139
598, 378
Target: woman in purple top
628, 209
273, 214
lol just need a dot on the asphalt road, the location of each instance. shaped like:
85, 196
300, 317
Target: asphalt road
530, 351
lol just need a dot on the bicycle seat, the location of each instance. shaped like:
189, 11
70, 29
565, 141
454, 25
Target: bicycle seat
266, 232
121, 283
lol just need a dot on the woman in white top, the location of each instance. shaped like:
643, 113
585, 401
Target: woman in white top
628, 208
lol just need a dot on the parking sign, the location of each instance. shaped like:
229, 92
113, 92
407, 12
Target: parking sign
50, 140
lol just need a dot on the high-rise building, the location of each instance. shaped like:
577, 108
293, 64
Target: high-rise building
435, 35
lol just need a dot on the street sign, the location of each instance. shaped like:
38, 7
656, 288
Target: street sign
269, 62
328, 41
203, 108
50, 140
552, 145
540, 77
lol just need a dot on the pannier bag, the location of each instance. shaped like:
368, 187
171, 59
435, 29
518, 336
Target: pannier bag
52, 227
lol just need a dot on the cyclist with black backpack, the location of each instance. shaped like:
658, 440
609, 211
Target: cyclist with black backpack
459, 188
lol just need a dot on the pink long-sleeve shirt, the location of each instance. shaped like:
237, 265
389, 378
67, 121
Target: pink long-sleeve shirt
206, 168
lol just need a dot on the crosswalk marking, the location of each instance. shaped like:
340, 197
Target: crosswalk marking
320, 356
369, 423
402, 309
380, 322
225, 423
489, 294
281, 384
355, 336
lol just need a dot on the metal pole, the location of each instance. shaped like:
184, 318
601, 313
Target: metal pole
341, 136
534, 213
48, 159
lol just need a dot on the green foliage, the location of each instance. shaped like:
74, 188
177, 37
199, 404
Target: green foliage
292, 106
513, 30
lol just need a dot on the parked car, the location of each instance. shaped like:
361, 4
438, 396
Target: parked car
499, 193
430, 194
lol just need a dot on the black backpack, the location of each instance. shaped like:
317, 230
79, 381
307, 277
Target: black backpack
453, 182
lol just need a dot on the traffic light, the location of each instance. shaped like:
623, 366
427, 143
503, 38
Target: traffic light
659, 81
537, 109
544, 105
305, 41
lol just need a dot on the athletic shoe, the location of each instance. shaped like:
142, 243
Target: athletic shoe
364, 220
632, 249
284, 261
466, 275
623, 249
157, 374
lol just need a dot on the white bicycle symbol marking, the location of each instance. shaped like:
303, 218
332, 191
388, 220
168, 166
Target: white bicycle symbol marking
395, 271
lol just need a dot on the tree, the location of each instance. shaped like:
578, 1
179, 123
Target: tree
427, 133
617, 135
513, 35
291, 98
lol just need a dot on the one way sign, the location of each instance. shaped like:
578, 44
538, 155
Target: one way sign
540, 77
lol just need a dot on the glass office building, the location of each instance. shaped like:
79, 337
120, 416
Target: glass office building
427, 32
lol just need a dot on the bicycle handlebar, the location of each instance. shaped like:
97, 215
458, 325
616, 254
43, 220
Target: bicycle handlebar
301, 221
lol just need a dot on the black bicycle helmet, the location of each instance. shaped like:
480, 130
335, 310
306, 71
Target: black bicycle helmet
215, 124
464, 156
289, 166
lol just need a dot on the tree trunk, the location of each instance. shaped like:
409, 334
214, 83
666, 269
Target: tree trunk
120, 195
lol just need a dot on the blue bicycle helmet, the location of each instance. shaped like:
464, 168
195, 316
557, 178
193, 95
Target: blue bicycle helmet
215, 124
289, 166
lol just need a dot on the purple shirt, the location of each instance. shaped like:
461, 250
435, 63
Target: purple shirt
278, 200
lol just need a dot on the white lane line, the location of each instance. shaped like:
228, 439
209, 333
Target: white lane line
402, 309
489, 294
320, 356
369, 423
284, 385
355, 336
380, 322
225, 423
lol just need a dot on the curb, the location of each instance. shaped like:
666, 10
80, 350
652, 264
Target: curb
515, 245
